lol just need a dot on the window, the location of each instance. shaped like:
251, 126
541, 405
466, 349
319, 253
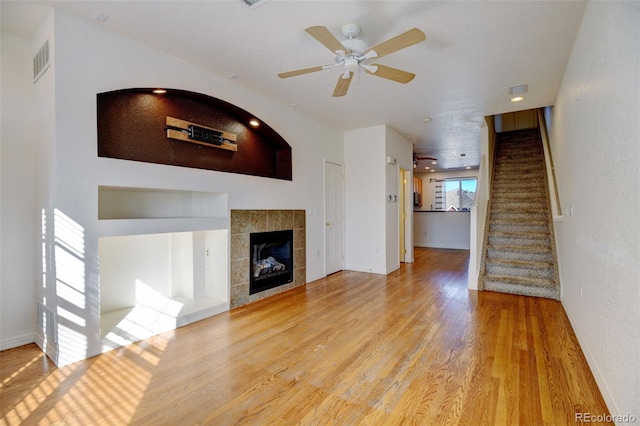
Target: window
460, 193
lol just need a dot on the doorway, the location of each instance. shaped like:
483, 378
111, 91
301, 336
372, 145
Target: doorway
334, 217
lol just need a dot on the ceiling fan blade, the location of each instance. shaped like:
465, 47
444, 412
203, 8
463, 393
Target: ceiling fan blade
396, 43
324, 36
391, 73
293, 73
343, 85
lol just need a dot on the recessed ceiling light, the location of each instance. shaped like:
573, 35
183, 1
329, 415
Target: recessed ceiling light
253, 122
427, 168
468, 167
159, 91
434, 162
432, 170
517, 99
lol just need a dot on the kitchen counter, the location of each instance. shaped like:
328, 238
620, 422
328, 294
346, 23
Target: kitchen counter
444, 230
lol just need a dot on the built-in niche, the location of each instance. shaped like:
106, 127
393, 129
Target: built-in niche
164, 260
188, 129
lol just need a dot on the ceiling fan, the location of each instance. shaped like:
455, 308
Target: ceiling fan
352, 54
417, 159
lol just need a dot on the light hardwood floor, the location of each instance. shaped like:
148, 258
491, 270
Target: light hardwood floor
413, 347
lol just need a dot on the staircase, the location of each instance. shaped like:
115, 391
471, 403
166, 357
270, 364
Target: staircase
519, 254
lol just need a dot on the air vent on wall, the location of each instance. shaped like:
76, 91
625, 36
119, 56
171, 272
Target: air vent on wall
41, 61
252, 4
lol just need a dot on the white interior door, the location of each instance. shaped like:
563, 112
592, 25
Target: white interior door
334, 217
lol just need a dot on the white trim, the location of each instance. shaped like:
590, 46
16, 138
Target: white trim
14, 342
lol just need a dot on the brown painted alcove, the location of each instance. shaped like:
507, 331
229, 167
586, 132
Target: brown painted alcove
132, 126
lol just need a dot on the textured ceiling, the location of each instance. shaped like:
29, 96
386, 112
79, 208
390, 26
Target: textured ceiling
475, 50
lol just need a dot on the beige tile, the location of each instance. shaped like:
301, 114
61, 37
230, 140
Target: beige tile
239, 271
299, 239
239, 295
286, 218
240, 221
239, 246
299, 218
300, 276
259, 221
274, 219
299, 258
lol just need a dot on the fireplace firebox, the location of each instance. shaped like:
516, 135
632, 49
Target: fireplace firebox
271, 260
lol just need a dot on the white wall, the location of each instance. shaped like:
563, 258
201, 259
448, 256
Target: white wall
399, 149
18, 213
596, 149
365, 211
88, 59
478, 216
372, 222
438, 229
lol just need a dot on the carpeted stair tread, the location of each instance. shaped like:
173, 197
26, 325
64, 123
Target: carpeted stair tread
509, 184
520, 196
522, 172
520, 269
533, 210
519, 228
518, 221
502, 247
525, 253
537, 288
519, 215
524, 281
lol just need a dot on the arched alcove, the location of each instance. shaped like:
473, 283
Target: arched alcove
132, 125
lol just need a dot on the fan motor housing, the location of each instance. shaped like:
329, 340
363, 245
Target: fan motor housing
351, 30
356, 46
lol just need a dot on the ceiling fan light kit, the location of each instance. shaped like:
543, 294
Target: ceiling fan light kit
352, 54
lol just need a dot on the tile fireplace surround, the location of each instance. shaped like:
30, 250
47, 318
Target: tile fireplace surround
243, 223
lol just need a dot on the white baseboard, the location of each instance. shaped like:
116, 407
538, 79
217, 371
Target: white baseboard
14, 342
313, 278
366, 268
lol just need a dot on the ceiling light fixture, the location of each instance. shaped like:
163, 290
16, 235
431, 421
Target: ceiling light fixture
516, 92
434, 162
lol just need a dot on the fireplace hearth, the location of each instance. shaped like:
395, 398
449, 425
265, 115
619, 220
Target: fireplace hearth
271, 260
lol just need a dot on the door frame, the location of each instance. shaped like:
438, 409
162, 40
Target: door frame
343, 239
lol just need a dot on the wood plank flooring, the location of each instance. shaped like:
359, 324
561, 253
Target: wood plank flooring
413, 347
